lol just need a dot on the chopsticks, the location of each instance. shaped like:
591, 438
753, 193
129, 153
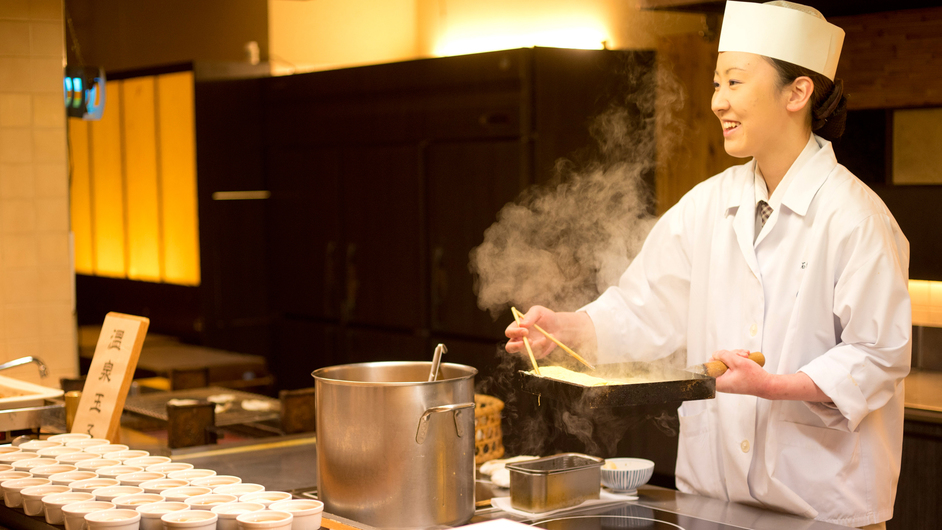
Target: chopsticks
518, 315
536, 369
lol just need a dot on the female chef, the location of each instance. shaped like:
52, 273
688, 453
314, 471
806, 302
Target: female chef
788, 254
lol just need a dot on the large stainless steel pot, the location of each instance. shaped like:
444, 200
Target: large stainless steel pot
393, 449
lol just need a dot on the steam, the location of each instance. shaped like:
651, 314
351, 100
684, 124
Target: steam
562, 244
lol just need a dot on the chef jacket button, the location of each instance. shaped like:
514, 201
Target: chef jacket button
753, 330
744, 446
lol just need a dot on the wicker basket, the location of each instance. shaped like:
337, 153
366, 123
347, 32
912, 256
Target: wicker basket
487, 432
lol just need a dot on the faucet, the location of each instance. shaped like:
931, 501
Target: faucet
25, 360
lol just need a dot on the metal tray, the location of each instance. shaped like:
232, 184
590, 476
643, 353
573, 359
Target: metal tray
554, 482
667, 385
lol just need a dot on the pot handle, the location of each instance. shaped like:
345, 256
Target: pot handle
423, 421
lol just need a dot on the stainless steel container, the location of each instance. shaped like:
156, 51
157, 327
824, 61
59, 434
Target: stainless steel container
554, 482
393, 449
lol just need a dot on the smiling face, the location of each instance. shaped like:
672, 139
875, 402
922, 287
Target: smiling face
750, 104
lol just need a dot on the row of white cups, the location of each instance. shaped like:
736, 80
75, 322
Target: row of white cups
90, 483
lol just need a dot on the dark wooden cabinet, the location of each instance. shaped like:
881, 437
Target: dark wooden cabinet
468, 183
384, 228
382, 179
917, 496
300, 346
234, 236
305, 234
370, 345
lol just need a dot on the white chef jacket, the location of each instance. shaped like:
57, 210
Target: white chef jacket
822, 291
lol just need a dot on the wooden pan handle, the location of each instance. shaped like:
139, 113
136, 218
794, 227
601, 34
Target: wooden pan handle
717, 368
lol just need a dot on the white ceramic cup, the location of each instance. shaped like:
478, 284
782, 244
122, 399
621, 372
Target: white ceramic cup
75, 458
7, 449
182, 493
30, 463
87, 442
191, 474
35, 445
91, 484
16, 456
208, 500
127, 454
265, 497
151, 513
239, 490
106, 448
52, 504
52, 452
136, 479
49, 471
114, 471
74, 514
161, 484
307, 512
229, 511
33, 497
12, 488
95, 464
145, 461
109, 493
168, 467
190, 520
10, 475
131, 502
69, 437
65, 479
116, 519
215, 481
265, 520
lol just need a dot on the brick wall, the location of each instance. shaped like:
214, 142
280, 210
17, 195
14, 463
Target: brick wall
892, 59
37, 295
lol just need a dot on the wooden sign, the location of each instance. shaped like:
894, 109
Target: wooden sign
110, 375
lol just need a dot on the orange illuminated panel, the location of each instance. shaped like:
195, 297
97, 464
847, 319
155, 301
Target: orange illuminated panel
133, 196
926, 299
81, 197
106, 188
178, 178
141, 186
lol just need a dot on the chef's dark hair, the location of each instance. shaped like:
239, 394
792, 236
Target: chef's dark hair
828, 103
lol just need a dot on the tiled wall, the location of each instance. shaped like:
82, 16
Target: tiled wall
37, 295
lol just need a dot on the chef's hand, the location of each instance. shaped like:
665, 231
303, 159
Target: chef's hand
744, 375
575, 330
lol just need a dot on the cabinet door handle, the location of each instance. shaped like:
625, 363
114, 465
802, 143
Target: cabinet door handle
252, 195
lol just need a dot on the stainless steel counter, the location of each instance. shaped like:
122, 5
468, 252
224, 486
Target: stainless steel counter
693, 507
281, 464
290, 464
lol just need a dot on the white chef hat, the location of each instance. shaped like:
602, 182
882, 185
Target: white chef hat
796, 34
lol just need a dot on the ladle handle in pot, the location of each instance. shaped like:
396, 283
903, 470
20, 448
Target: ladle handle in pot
422, 431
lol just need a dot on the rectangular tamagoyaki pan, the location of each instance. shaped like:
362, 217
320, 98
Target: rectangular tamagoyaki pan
649, 384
